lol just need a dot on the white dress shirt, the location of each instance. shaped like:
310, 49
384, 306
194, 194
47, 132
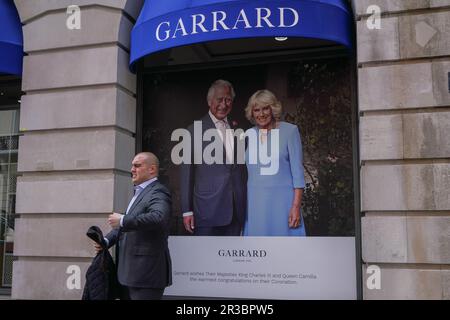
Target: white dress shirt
222, 126
137, 190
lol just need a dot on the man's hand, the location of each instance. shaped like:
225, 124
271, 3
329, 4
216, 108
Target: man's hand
97, 247
189, 223
114, 220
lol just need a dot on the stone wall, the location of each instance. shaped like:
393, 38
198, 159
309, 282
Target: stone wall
78, 119
404, 105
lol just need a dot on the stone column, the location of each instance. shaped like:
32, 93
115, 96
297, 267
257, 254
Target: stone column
78, 119
404, 105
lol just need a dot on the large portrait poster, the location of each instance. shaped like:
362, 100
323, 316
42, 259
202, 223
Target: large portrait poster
271, 252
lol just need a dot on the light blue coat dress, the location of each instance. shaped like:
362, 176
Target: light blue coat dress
269, 197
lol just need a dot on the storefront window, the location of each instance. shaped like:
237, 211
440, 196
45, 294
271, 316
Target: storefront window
320, 108
277, 222
266, 259
9, 140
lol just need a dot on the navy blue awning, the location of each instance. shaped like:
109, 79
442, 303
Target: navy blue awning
167, 24
11, 39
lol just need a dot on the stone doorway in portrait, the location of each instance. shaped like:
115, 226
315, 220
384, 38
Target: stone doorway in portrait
316, 95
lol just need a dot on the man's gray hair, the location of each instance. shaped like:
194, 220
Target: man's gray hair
220, 84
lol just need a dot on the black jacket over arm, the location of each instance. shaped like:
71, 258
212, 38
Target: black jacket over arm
101, 278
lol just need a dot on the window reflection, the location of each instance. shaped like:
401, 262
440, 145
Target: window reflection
9, 145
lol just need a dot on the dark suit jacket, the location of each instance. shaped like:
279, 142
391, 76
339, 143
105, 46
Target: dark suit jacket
101, 278
143, 252
210, 189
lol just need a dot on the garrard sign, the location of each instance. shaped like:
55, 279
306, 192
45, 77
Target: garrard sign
241, 253
175, 23
214, 21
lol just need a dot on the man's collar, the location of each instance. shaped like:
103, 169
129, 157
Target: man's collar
145, 184
214, 119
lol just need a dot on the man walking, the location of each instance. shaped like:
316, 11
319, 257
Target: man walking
141, 234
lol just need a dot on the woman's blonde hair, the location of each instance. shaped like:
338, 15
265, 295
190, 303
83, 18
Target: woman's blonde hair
263, 98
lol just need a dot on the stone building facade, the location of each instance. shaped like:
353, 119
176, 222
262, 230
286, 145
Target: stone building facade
404, 99
78, 120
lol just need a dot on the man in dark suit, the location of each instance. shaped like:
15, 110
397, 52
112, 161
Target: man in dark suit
213, 196
140, 235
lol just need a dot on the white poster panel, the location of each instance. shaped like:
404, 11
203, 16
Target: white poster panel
263, 267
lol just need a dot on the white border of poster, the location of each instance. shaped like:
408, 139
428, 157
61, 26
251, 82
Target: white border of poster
263, 267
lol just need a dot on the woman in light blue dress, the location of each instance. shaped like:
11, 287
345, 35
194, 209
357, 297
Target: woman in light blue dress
274, 161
